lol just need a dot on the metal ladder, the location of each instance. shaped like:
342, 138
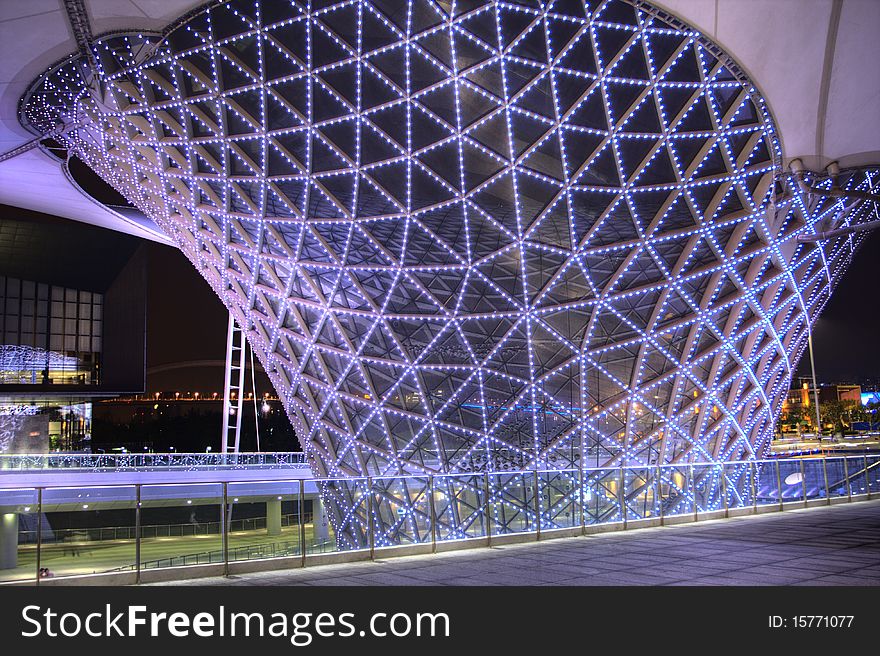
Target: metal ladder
233, 384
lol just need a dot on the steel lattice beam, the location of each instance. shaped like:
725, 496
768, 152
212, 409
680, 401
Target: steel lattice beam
78, 18
499, 238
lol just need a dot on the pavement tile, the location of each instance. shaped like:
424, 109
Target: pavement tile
869, 576
839, 579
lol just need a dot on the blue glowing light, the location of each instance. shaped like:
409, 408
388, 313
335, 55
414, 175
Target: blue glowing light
478, 236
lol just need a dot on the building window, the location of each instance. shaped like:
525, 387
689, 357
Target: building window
48, 334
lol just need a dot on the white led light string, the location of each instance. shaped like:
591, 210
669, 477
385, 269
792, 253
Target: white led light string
460, 349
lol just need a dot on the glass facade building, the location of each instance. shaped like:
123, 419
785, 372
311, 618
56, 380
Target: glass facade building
51, 334
61, 286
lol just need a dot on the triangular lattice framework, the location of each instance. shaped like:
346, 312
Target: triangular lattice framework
485, 235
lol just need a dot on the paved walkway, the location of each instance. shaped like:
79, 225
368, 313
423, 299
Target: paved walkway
838, 545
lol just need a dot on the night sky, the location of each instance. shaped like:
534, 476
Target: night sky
846, 338
186, 322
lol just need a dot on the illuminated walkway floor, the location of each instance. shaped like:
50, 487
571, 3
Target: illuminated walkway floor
839, 545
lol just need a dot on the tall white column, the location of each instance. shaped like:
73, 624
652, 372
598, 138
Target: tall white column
8, 540
273, 517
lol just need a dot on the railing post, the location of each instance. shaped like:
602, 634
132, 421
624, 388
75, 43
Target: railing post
39, 530
778, 484
825, 474
537, 507
224, 533
867, 482
137, 534
693, 488
433, 514
846, 478
301, 503
804, 482
370, 524
486, 508
724, 491
754, 486
660, 494
581, 484
621, 495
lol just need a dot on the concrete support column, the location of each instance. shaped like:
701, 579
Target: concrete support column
273, 517
319, 520
8, 540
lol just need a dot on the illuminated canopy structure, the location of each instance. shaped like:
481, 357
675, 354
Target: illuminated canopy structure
475, 235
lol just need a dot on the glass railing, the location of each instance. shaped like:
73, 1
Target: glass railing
69, 531
187, 529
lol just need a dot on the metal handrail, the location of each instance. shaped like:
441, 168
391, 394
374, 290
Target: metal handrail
109, 533
250, 551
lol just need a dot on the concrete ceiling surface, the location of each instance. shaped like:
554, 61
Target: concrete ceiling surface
814, 61
33, 36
